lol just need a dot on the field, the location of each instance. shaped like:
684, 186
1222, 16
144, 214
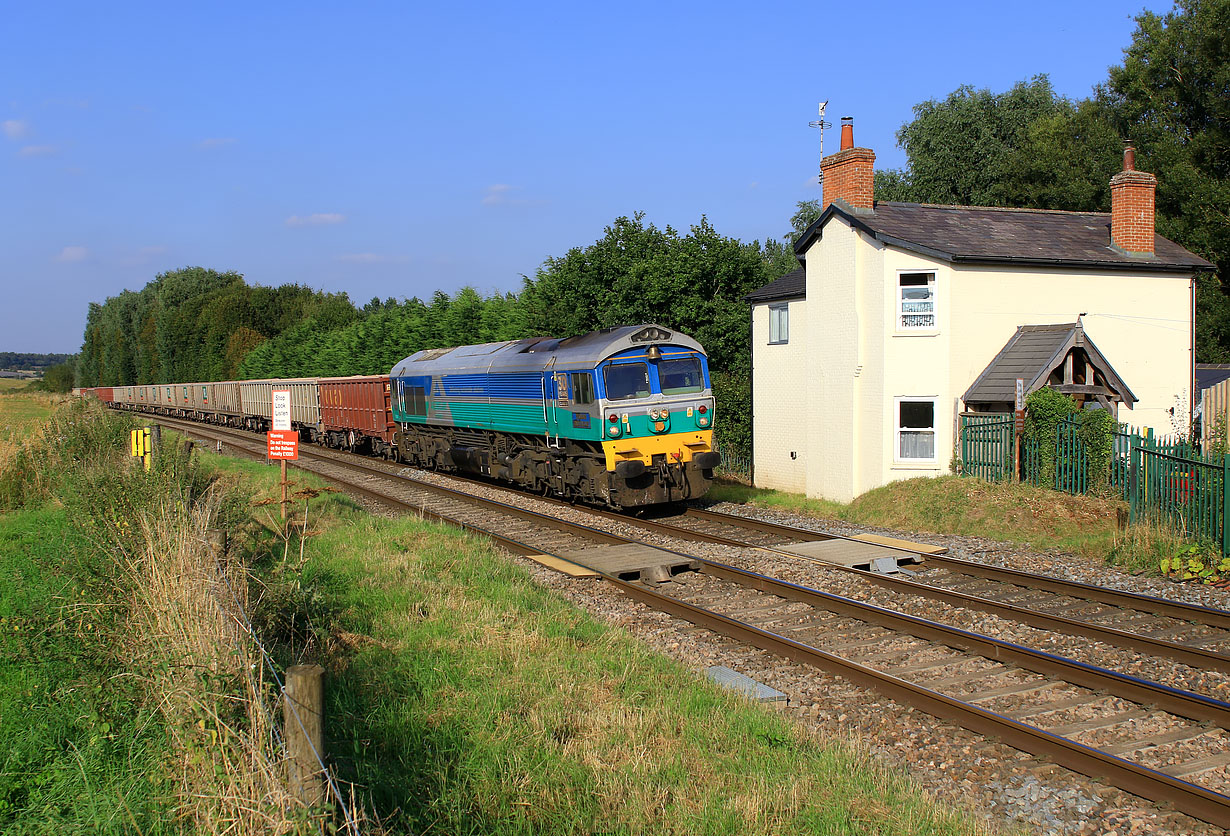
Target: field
21, 412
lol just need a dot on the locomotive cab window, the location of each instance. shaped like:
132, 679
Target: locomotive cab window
413, 399
679, 377
582, 388
626, 381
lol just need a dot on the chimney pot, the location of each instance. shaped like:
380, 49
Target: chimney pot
847, 132
1129, 157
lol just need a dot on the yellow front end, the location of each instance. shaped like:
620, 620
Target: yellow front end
678, 447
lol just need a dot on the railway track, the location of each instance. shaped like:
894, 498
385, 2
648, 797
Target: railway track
1145, 738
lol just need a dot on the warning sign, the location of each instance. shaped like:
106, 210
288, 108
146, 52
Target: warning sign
283, 444
281, 409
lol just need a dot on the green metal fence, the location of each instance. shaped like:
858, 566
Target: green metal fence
1184, 492
1071, 458
1163, 478
987, 445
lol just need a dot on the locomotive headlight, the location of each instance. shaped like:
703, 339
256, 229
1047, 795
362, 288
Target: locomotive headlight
702, 421
614, 431
653, 413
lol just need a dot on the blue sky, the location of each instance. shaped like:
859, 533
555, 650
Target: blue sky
393, 149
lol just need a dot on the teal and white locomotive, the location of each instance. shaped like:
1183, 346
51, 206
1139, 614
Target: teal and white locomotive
622, 416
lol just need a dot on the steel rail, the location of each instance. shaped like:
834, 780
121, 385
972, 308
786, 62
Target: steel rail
1197, 657
1183, 703
1194, 800
1151, 604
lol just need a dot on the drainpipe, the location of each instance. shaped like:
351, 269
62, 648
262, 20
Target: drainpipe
1191, 389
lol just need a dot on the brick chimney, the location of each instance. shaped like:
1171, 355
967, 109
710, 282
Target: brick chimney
1131, 207
850, 173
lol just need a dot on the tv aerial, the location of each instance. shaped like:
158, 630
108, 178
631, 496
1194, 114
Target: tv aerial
821, 123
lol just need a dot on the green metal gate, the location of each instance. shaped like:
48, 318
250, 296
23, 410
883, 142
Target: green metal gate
987, 445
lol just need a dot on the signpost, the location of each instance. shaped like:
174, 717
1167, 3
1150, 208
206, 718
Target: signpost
1020, 423
282, 440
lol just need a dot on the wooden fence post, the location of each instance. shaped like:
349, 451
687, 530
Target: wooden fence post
303, 717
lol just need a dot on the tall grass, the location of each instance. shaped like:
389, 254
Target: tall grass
178, 638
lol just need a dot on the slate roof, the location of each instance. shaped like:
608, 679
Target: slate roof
1032, 353
1209, 375
793, 285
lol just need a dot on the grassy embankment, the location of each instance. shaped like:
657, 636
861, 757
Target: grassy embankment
468, 699
126, 700
1033, 517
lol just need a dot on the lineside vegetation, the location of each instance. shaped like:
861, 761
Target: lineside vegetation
1033, 517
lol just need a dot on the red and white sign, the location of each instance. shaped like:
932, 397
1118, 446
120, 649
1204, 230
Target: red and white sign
281, 409
283, 444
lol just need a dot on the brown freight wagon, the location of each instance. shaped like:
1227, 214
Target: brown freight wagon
354, 414
106, 394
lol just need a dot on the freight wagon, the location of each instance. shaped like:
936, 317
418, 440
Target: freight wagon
354, 414
256, 403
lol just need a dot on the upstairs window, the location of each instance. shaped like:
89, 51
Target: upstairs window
779, 324
916, 301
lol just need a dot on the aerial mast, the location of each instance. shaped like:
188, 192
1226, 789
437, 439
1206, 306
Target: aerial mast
821, 124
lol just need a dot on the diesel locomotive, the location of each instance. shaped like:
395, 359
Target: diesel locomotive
621, 417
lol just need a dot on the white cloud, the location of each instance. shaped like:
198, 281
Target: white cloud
72, 253
38, 150
217, 141
499, 194
15, 128
318, 219
504, 194
372, 258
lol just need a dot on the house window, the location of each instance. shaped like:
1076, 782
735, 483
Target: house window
915, 301
779, 324
915, 430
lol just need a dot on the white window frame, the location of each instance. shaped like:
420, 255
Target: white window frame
897, 428
784, 309
933, 284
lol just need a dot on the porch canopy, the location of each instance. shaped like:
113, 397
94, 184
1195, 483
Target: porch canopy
1060, 356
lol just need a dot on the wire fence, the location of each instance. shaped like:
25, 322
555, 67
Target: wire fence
734, 466
246, 631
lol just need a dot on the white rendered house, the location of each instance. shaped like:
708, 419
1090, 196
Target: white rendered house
862, 358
